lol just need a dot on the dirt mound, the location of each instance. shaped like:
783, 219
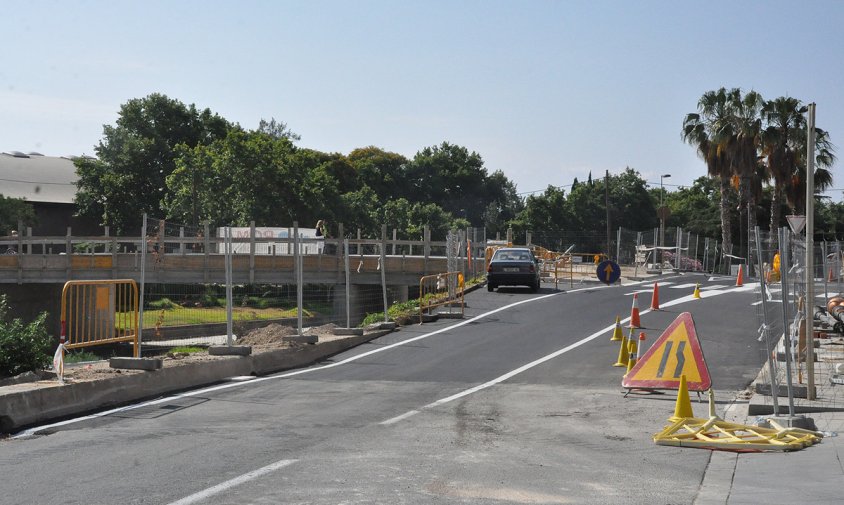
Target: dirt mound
270, 334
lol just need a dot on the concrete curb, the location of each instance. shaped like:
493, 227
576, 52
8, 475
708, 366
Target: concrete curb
26, 407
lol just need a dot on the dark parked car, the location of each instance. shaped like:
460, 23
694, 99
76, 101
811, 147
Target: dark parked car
513, 266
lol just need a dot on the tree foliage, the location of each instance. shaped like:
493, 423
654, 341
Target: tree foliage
12, 211
137, 154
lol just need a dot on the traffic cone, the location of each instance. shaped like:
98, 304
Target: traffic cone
696, 294
623, 355
634, 313
640, 351
617, 334
740, 278
683, 406
655, 297
831, 278
632, 349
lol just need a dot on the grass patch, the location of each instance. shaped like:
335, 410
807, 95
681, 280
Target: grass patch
399, 312
186, 350
80, 356
205, 315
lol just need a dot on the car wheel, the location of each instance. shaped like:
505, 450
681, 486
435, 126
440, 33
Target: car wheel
490, 287
535, 287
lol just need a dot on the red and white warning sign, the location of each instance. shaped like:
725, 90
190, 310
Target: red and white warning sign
676, 353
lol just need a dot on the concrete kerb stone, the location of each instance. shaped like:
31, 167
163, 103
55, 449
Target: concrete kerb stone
25, 407
230, 350
136, 363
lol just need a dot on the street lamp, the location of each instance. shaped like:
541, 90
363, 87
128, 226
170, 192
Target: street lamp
661, 215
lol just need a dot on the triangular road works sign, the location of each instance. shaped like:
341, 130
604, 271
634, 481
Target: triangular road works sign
676, 353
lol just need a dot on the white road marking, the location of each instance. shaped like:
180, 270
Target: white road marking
539, 361
33, 431
714, 286
225, 486
684, 286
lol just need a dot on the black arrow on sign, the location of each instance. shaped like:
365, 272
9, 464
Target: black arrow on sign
681, 360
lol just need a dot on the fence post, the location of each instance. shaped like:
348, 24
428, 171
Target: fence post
697, 241
384, 270
618, 245
206, 246
785, 265
771, 367
229, 295
657, 252
297, 269
143, 247
348, 288
678, 240
426, 248
251, 252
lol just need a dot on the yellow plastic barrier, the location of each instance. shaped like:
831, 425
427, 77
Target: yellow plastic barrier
439, 290
100, 312
715, 433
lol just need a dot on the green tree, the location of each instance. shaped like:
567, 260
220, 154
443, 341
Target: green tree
452, 178
13, 210
383, 171
137, 154
697, 208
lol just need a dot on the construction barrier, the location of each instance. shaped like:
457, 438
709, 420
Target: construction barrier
439, 290
100, 312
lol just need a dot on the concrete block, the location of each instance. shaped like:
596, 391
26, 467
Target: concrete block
230, 350
764, 388
387, 325
301, 339
796, 421
450, 315
429, 318
348, 331
136, 363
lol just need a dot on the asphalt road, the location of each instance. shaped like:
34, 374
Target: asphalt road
517, 403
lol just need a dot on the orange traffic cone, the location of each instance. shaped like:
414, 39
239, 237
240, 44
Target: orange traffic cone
740, 278
831, 278
617, 334
655, 297
696, 294
640, 351
634, 313
623, 355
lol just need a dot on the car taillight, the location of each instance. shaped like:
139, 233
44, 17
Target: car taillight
489, 269
532, 268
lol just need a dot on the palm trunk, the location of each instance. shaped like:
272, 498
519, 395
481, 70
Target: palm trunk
776, 197
726, 240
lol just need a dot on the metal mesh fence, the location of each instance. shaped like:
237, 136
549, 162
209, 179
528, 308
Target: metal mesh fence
782, 293
179, 313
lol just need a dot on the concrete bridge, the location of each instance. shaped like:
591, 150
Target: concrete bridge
35, 269
44, 260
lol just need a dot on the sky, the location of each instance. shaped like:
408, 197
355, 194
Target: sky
544, 91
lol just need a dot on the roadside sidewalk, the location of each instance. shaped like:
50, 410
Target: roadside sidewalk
814, 475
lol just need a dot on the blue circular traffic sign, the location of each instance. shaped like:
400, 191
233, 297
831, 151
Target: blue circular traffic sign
608, 271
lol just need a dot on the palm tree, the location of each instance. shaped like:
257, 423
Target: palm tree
784, 148
743, 140
824, 157
785, 125
708, 131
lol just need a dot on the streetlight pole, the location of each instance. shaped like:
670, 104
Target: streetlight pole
661, 216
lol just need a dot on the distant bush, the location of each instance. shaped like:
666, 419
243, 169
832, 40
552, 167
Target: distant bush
163, 303
400, 312
23, 347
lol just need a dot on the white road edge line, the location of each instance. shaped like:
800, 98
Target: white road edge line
225, 486
539, 361
33, 431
